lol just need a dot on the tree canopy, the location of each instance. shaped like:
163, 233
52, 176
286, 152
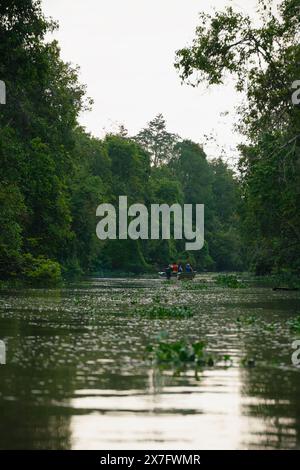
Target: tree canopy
264, 61
55, 174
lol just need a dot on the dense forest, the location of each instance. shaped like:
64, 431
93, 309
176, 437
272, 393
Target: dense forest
265, 63
54, 174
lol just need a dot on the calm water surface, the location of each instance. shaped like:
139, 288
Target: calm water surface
77, 378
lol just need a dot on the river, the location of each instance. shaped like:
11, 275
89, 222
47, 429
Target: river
76, 375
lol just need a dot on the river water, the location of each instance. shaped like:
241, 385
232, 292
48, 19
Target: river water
76, 375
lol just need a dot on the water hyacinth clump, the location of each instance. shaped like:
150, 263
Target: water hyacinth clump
180, 353
193, 286
230, 281
163, 311
246, 320
294, 324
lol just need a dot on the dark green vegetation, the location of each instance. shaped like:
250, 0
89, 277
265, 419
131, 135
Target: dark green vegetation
179, 353
295, 324
54, 174
183, 354
76, 372
229, 281
161, 311
264, 61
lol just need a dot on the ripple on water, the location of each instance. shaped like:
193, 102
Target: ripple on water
75, 362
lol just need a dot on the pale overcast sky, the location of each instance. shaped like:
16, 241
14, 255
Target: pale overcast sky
126, 51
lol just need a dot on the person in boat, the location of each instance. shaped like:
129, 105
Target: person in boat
188, 268
175, 268
168, 271
180, 268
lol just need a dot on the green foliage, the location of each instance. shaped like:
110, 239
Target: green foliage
12, 211
180, 353
158, 142
246, 320
285, 279
162, 311
41, 271
194, 286
267, 60
36, 136
294, 324
230, 281
54, 174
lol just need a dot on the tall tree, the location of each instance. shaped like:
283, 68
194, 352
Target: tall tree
158, 141
265, 61
44, 98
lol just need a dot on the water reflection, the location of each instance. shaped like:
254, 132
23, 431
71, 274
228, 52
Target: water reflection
76, 376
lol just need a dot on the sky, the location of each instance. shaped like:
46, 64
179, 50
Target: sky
126, 51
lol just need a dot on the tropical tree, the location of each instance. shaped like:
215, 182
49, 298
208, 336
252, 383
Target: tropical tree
264, 60
158, 142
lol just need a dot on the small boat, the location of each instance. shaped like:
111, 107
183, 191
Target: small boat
186, 276
182, 276
163, 274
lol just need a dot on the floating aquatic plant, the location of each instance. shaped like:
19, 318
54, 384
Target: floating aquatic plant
294, 324
163, 311
246, 320
193, 286
230, 281
180, 353
227, 360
